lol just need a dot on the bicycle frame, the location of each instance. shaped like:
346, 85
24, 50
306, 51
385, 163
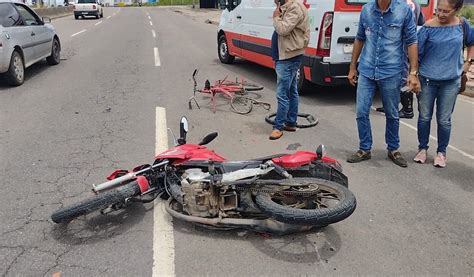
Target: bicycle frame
225, 87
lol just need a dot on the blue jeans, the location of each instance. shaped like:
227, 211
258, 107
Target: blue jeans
445, 93
390, 90
287, 93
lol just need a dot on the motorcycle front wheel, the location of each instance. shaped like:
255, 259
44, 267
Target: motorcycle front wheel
98, 202
317, 202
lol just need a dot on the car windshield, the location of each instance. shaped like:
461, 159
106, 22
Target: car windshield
86, 1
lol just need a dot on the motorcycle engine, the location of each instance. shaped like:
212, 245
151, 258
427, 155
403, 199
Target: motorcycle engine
199, 197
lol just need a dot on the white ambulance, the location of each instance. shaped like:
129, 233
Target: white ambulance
246, 28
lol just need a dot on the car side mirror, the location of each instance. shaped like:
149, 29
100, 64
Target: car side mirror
46, 20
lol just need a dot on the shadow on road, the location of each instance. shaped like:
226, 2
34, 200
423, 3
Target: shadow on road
458, 173
308, 247
90, 230
30, 73
314, 246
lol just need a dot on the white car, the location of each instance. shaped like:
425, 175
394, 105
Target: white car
84, 8
25, 39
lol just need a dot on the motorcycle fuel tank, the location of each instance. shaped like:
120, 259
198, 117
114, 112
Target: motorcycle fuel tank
189, 152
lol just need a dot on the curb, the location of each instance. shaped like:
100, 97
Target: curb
60, 16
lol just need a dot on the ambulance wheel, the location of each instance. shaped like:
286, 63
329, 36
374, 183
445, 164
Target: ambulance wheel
223, 51
301, 82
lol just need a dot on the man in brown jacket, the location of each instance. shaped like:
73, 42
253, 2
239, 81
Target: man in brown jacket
289, 40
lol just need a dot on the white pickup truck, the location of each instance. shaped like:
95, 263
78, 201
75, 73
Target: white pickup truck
84, 8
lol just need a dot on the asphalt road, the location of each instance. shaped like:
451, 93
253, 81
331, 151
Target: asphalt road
70, 125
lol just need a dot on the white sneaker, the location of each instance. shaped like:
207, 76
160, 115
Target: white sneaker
420, 156
440, 160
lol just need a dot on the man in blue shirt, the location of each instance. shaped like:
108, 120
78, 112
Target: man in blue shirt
385, 27
406, 97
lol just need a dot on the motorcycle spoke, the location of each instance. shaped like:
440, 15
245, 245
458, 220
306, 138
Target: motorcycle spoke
319, 205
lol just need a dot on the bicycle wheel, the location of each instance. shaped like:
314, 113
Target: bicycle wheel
311, 120
252, 87
241, 104
247, 86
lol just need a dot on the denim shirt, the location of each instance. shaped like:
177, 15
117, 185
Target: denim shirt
440, 50
384, 36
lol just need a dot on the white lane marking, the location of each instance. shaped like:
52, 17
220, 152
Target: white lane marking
151, 23
163, 236
465, 154
149, 17
157, 57
100, 22
153, 33
108, 17
73, 35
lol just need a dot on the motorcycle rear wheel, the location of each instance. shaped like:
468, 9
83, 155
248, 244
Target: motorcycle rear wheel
99, 202
329, 204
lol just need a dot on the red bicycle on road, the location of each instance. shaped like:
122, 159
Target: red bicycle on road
235, 91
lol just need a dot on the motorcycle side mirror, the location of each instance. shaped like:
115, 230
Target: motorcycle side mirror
321, 151
208, 138
183, 130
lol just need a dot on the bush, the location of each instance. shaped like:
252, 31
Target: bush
468, 12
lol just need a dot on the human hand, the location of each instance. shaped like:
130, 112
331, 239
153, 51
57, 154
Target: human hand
277, 12
352, 76
414, 84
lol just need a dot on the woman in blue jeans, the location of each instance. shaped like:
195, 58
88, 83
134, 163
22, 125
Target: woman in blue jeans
441, 60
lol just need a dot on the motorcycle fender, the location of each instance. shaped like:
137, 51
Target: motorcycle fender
117, 173
143, 184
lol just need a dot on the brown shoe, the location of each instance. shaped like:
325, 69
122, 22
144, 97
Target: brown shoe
276, 134
397, 158
289, 128
359, 156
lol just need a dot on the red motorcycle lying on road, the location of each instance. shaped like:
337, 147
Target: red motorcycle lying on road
279, 194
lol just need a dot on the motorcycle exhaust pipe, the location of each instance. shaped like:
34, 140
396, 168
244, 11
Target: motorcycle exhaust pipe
127, 177
113, 183
259, 225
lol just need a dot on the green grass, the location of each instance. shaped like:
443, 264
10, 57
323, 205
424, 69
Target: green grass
468, 12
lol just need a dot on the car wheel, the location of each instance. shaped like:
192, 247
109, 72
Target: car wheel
55, 57
76, 17
15, 75
223, 51
102, 14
